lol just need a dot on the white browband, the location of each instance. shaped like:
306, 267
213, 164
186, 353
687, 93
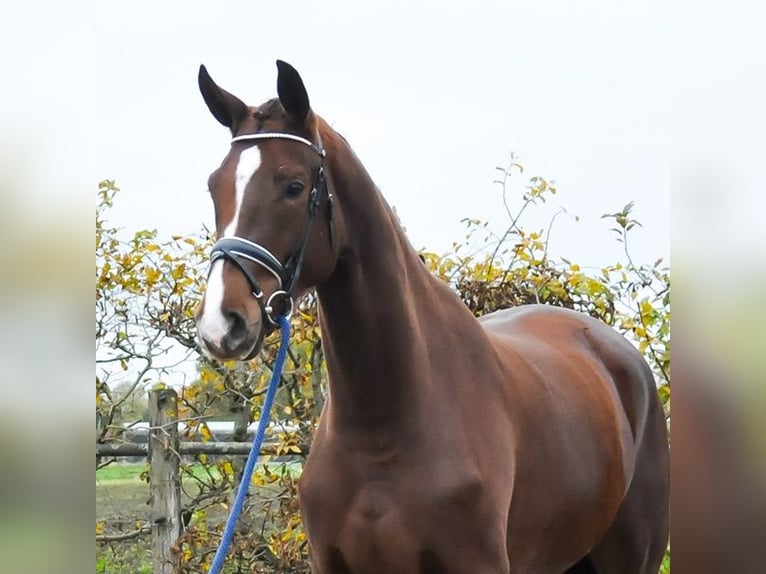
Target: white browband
279, 136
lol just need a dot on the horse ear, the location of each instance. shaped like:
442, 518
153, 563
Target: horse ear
225, 107
292, 92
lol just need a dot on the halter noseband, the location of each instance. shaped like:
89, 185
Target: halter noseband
238, 250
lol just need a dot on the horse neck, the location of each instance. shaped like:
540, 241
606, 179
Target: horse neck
377, 307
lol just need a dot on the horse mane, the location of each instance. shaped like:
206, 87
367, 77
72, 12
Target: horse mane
272, 109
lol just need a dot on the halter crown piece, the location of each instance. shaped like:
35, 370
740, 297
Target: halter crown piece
239, 250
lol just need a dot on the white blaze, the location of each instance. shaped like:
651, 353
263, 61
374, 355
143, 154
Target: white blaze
249, 162
212, 326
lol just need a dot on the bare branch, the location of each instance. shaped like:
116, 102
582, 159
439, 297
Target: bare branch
145, 529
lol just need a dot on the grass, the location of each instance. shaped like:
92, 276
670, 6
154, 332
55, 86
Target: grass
122, 504
121, 472
129, 558
122, 493
131, 473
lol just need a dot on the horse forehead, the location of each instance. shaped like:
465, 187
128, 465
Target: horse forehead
247, 163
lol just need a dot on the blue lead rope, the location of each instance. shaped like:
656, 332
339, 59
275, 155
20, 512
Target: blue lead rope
247, 473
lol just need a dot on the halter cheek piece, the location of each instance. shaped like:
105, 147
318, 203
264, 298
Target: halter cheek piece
239, 250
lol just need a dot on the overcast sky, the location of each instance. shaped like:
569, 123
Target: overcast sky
432, 97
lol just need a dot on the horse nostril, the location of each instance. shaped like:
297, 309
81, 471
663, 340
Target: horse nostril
237, 333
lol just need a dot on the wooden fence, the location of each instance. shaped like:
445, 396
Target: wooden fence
164, 451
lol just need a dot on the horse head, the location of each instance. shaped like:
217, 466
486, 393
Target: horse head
273, 215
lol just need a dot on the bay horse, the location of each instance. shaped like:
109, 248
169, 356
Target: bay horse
531, 440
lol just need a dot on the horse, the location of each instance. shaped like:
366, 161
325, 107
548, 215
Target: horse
531, 440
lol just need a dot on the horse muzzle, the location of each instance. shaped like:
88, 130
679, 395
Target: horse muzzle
228, 336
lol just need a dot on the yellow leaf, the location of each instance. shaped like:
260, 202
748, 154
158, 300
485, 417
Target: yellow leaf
646, 309
151, 275
178, 271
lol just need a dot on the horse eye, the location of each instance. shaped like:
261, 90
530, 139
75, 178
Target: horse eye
294, 189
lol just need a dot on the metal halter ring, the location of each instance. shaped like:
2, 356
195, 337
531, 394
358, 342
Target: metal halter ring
268, 309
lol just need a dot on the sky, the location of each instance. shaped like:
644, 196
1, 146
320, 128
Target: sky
432, 97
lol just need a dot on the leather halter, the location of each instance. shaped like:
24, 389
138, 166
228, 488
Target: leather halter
239, 250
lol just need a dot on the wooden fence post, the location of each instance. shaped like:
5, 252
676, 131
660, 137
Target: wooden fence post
164, 485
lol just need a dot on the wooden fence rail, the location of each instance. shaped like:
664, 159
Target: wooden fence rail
108, 450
